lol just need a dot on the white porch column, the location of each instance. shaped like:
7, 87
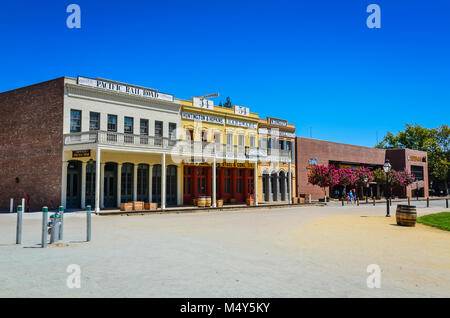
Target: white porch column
97, 182
150, 183
163, 182
290, 183
214, 185
135, 181
119, 184
65, 165
102, 185
255, 179
83, 184
179, 185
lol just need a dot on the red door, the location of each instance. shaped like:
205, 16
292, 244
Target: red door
226, 187
250, 183
188, 184
239, 185
201, 181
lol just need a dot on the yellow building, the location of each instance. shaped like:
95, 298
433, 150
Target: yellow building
228, 138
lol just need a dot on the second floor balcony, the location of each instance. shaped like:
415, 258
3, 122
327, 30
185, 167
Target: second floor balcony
183, 148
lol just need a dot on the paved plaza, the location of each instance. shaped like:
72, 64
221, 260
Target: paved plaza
288, 252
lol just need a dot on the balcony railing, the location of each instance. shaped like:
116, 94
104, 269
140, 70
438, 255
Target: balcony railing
179, 147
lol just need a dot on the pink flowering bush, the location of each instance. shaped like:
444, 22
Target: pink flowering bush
362, 174
323, 176
401, 178
347, 177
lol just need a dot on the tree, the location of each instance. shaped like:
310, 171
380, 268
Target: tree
434, 141
323, 176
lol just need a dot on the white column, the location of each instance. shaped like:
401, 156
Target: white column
83, 184
119, 184
290, 183
135, 182
150, 183
255, 181
179, 185
65, 165
214, 185
97, 182
102, 185
163, 182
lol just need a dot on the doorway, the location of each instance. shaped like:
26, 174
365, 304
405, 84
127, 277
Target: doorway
110, 187
126, 187
73, 195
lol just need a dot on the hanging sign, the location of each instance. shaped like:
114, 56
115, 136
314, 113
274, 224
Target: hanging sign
81, 153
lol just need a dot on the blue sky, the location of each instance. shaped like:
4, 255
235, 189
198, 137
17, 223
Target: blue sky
314, 63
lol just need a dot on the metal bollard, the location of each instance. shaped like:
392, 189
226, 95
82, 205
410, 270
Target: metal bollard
88, 221
428, 202
19, 224
357, 201
11, 205
61, 230
44, 226
342, 202
374, 199
409, 201
446, 203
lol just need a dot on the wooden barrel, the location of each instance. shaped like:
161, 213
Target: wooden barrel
208, 201
406, 215
201, 201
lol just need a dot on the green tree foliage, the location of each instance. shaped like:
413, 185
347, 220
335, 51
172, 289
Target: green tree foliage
435, 141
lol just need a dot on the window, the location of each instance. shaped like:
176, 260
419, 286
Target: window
94, 121
172, 131
240, 140
417, 171
252, 141
75, 121
128, 125
158, 128
158, 133
281, 144
112, 122
217, 138
128, 129
144, 131
204, 136
144, 127
189, 134
112, 127
229, 139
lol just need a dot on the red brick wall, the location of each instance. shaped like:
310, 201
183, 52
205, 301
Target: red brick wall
326, 151
399, 160
31, 128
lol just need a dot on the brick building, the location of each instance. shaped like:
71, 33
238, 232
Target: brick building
83, 141
319, 152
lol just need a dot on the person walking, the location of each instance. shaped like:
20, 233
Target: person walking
350, 197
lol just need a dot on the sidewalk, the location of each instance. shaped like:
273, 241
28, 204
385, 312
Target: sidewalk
193, 209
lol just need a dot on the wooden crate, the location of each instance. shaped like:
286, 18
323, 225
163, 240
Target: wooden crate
302, 200
138, 205
250, 202
126, 206
219, 203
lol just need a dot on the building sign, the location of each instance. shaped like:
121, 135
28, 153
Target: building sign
81, 153
236, 165
240, 110
124, 88
202, 117
417, 159
276, 132
240, 123
313, 162
278, 122
202, 103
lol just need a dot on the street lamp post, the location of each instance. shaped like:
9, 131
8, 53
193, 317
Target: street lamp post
387, 169
366, 181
